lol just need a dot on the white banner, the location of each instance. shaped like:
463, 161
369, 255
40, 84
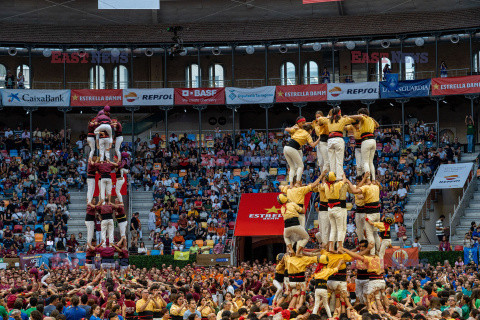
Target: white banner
128, 4
450, 176
250, 96
353, 91
148, 97
35, 98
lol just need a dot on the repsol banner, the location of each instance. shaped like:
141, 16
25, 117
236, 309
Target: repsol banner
148, 97
35, 98
353, 91
451, 176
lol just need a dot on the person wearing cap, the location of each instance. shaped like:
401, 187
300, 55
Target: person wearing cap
297, 195
322, 273
384, 234
117, 131
103, 133
300, 135
120, 172
321, 129
91, 172
279, 275
368, 144
336, 145
293, 231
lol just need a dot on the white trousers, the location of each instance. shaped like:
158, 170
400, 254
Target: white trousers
295, 163
322, 147
91, 144
118, 144
376, 285
295, 234
104, 148
361, 289
336, 151
90, 189
103, 127
334, 285
323, 233
118, 188
107, 231
384, 244
279, 287
301, 219
371, 231
338, 223
90, 229
360, 224
368, 153
105, 188
321, 296
358, 161
122, 226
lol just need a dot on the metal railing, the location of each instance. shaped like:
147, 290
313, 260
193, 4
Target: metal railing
148, 84
459, 208
249, 83
211, 132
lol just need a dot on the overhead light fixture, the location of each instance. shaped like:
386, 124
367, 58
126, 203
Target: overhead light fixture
149, 52
455, 38
115, 52
82, 53
81, 111
185, 110
12, 51
250, 50
350, 45
317, 46
444, 101
392, 104
216, 51
419, 42
283, 49
183, 52
47, 53
385, 44
288, 108
28, 112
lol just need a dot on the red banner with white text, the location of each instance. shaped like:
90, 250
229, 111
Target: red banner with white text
301, 93
96, 98
455, 85
259, 215
405, 257
123, 191
199, 96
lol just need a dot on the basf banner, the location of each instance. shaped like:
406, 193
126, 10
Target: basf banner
353, 91
404, 89
250, 96
455, 85
185, 96
96, 98
35, 98
301, 93
259, 215
450, 176
148, 97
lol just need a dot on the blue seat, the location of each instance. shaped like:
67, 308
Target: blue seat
282, 171
188, 244
13, 153
155, 252
191, 137
255, 190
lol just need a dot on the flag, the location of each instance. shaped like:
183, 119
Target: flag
392, 81
179, 255
470, 254
318, 1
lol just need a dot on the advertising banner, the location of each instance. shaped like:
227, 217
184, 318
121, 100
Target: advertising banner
35, 98
406, 257
96, 98
148, 97
450, 176
301, 93
470, 254
455, 85
404, 89
123, 192
353, 91
52, 260
199, 96
250, 95
179, 255
259, 215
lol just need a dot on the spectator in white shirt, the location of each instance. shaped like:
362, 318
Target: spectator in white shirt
402, 191
263, 174
416, 244
171, 230
25, 134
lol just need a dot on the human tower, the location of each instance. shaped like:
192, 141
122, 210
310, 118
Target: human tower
330, 277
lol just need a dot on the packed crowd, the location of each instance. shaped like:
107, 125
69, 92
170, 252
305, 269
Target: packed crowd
229, 293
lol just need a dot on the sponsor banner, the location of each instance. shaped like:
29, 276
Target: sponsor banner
318, 1
96, 98
213, 259
455, 85
250, 96
52, 260
179, 255
259, 215
128, 4
404, 89
148, 97
406, 257
450, 176
123, 192
470, 254
35, 98
301, 93
353, 91
199, 96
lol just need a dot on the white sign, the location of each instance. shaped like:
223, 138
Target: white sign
35, 98
148, 97
352, 91
450, 176
128, 4
250, 96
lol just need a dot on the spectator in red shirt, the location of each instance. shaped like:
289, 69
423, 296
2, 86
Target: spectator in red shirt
72, 244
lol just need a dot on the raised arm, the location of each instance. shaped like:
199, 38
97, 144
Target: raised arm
351, 254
